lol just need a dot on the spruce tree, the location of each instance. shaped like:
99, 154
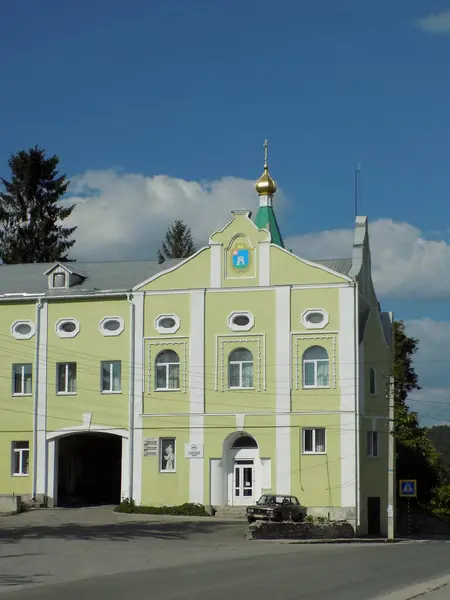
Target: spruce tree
178, 242
31, 213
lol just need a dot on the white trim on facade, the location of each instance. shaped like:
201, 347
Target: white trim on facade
138, 434
113, 332
197, 393
240, 313
264, 264
283, 389
321, 325
215, 265
40, 371
67, 334
25, 336
167, 330
347, 377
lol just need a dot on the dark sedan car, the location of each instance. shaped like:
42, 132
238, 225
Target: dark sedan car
275, 507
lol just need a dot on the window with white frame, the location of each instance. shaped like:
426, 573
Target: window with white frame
167, 370
314, 441
59, 280
372, 443
167, 463
372, 381
66, 378
316, 368
20, 458
240, 369
111, 376
22, 379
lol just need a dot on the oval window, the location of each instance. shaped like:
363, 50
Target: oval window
167, 323
111, 325
23, 329
241, 320
315, 318
68, 327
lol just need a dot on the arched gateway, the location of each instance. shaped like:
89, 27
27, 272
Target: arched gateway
87, 466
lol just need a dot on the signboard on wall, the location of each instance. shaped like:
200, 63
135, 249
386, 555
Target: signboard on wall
150, 446
193, 450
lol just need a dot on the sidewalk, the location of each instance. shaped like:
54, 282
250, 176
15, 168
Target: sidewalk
442, 593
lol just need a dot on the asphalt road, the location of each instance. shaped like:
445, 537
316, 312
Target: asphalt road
353, 572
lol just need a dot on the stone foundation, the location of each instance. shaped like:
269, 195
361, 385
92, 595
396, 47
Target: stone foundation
9, 504
300, 531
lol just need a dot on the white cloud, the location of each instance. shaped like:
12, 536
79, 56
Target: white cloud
125, 216
404, 263
432, 402
437, 23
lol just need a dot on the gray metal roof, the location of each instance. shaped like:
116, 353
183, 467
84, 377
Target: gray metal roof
118, 276
341, 265
29, 278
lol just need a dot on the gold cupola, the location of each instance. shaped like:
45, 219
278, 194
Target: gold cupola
266, 186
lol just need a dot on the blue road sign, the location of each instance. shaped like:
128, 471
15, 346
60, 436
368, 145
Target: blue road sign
408, 488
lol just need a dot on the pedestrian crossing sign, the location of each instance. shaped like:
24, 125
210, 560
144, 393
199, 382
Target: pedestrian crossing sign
408, 488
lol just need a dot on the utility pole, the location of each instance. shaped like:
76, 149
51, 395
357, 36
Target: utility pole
391, 463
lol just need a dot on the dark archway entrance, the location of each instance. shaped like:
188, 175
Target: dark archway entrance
89, 469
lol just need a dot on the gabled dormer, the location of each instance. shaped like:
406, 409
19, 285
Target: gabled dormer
61, 276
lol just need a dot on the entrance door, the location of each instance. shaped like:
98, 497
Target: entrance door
373, 516
243, 482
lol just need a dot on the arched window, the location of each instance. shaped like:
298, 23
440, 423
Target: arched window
245, 441
167, 370
316, 367
240, 373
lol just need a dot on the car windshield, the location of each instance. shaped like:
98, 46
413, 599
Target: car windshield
269, 499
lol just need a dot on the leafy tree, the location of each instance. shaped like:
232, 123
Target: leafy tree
417, 457
440, 436
178, 242
31, 213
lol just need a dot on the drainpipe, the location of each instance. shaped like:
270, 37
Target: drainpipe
36, 398
131, 399
357, 412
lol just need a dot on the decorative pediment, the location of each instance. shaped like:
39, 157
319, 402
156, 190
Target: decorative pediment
62, 276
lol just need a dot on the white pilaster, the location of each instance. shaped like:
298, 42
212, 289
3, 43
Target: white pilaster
40, 371
264, 263
347, 384
216, 265
283, 389
138, 449
197, 392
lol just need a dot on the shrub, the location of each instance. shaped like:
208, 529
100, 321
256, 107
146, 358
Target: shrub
188, 509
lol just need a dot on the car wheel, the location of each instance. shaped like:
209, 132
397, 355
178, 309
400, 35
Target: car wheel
251, 519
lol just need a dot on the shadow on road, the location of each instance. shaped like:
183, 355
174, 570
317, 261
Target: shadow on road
118, 532
14, 580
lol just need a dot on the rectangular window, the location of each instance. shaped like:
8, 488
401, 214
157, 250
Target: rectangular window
59, 280
167, 455
111, 376
22, 382
66, 378
314, 441
372, 443
372, 381
20, 456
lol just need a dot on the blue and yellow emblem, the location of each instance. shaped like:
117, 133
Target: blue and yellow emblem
240, 258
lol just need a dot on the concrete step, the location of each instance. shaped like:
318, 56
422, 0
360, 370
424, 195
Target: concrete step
231, 512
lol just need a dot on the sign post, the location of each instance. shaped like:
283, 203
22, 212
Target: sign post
408, 490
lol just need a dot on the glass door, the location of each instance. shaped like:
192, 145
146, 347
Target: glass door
243, 482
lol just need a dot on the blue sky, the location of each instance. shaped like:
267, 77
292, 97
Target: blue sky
188, 89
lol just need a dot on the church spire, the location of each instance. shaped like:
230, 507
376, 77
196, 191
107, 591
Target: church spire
266, 188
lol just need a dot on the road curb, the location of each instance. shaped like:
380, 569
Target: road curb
333, 541
420, 590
